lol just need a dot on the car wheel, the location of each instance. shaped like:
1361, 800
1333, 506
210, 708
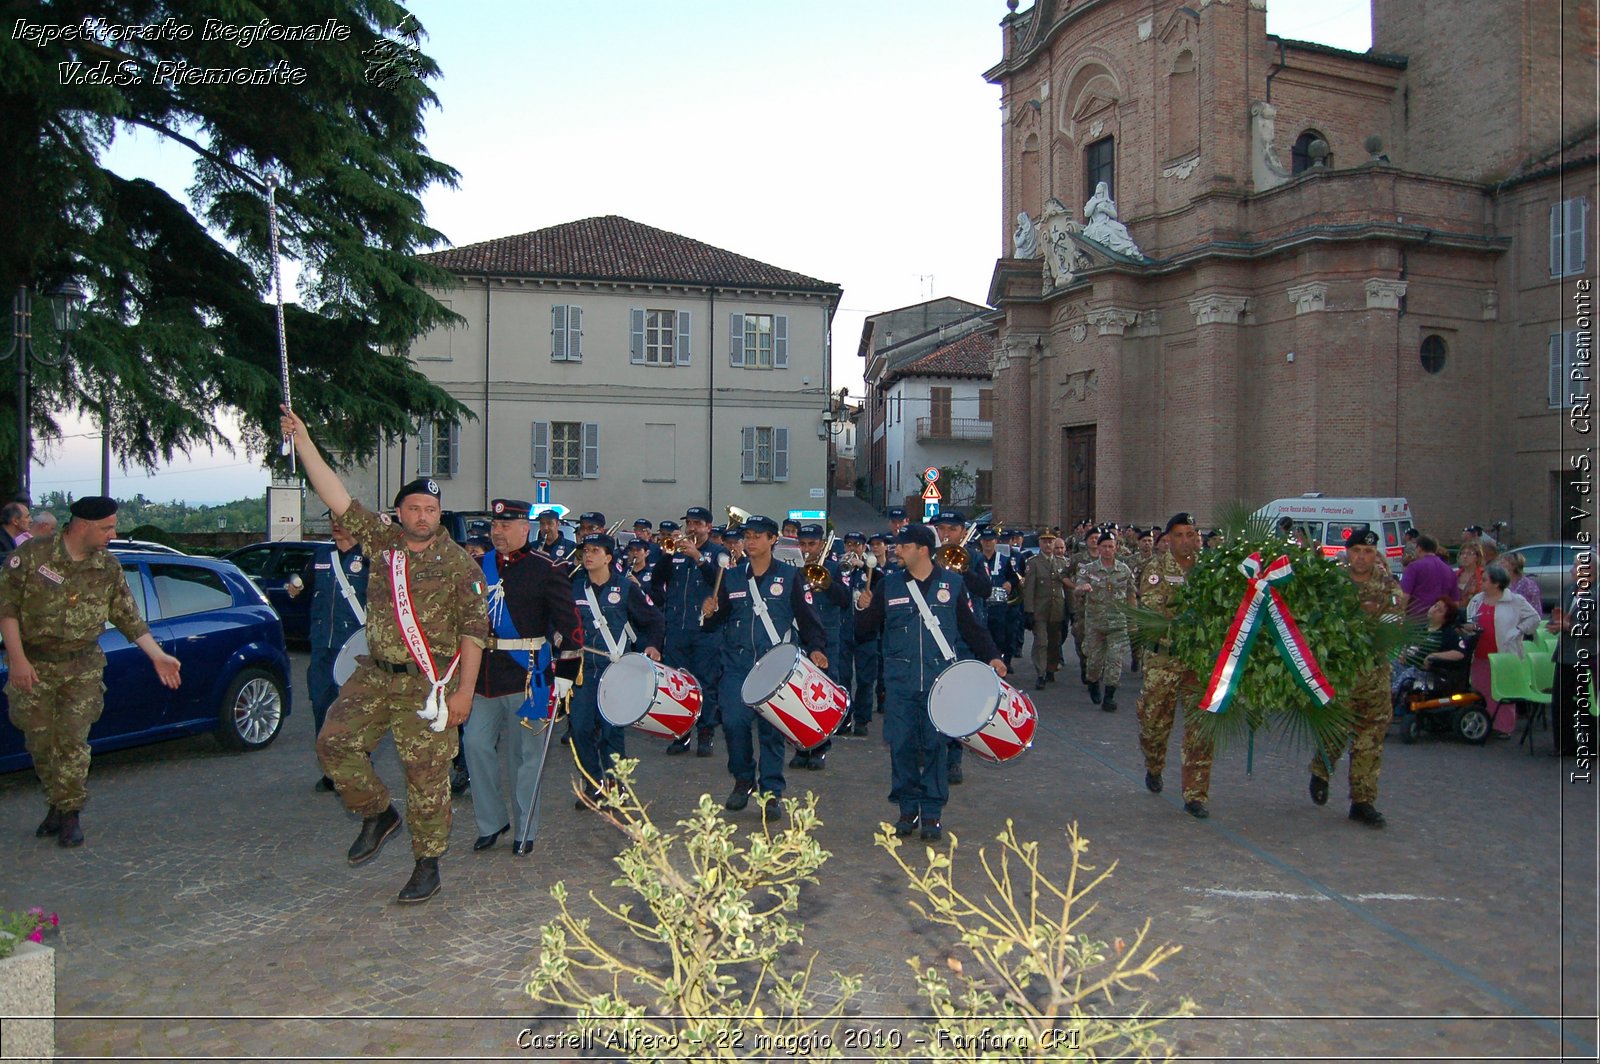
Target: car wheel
251, 714
1473, 725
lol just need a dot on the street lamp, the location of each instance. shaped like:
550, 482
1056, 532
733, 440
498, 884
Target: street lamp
832, 424
66, 307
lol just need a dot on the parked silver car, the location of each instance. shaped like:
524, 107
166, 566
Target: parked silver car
1550, 565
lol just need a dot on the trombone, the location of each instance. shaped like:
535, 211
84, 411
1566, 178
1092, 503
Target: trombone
955, 556
815, 573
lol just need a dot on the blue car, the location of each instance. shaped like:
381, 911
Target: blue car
270, 565
209, 615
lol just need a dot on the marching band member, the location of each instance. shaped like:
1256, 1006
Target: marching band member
951, 526
553, 544
532, 621
684, 589
866, 662
427, 601
833, 606
1004, 583
756, 607
927, 622
733, 540
614, 614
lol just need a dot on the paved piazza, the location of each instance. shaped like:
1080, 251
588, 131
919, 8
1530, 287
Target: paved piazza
211, 913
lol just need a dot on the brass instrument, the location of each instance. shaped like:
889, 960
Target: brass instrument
955, 556
737, 517
670, 542
816, 574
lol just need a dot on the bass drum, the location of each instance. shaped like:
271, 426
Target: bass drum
973, 705
344, 666
640, 693
795, 696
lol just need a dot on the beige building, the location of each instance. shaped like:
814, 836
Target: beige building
637, 371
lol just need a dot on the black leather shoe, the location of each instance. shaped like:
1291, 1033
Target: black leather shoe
1152, 782
932, 831
861, 731
483, 842
1197, 810
1083, 674
374, 830
1319, 790
1039, 684
740, 796
459, 781
799, 760
772, 811
1094, 691
71, 833
423, 884
906, 825
703, 747
954, 774
1361, 812
324, 786
566, 737
677, 746
50, 825
522, 848
1110, 703
817, 762
1050, 676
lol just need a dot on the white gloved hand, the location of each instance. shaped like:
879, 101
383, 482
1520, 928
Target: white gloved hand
563, 687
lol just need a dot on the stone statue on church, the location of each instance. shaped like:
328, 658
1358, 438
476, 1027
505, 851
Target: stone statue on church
1062, 256
1025, 239
1102, 226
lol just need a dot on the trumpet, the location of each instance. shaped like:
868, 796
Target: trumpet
955, 556
815, 573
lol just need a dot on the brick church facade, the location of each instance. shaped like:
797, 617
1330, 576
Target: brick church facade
1358, 273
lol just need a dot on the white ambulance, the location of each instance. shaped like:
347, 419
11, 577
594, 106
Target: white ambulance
1326, 522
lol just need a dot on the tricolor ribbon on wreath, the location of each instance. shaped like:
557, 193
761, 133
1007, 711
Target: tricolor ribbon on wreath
1263, 603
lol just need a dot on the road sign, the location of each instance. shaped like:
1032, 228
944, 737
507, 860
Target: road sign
930, 509
808, 515
931, 492
931, 474
543, 489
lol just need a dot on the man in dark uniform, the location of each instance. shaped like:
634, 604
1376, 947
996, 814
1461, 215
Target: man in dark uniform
553, 543
615, 614
913, 658
684, 589
897, 521
951, 527
833, 607
864, 666
532, 625
56, 596
338, 590
1004, 584
748, 631
427, 628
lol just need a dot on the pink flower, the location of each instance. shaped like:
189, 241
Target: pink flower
36, 911
37, 935
55, 921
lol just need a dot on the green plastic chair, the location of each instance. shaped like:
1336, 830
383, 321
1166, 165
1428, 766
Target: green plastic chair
1511, 680
1542, 671
1543, 641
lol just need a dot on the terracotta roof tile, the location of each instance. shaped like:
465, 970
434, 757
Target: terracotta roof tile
612, 248
967, 357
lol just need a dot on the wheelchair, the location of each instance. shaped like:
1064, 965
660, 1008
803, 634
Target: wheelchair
1441, 701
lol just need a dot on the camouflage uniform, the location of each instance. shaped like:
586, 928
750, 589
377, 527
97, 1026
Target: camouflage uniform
61, 607
1165, 683
1371, 710
1106, 627
1077, 559
447, 593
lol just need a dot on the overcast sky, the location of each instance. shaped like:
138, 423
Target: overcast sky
853, 142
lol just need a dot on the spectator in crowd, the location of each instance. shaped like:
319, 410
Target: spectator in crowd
1428, 579
1523, 584
1488, 550
1573, 619
1469, 571
43, 526
14, 520
1502, 621
1410, 549
1442, 647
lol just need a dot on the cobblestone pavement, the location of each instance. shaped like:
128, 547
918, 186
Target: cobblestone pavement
211, 913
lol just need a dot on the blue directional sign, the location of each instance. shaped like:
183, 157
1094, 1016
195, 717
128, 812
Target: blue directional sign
543, 496
930, 510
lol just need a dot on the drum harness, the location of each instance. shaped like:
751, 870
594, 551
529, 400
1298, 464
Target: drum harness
929, 620
758, 603
614, 649
347, 591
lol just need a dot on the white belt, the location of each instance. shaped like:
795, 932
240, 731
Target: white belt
496, 643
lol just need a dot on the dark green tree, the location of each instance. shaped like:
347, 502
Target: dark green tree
181, 318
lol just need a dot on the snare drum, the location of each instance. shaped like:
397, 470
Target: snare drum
344, 666
971, 703
795, 696
638, 692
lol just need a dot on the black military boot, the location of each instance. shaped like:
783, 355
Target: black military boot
1319, 790
678, 746
374, 830
1110, 703
1094, 691
1152, 782
1083, 670
1362, 812
423, 884
740, 796
72, 835
702, 748
50, 825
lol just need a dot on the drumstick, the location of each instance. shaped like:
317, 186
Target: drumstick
716, 590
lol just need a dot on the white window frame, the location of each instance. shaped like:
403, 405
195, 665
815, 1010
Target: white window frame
771, 440
585, 450
660, 337
1570, 376
566, 333
440, 436
1569, 237
744, 348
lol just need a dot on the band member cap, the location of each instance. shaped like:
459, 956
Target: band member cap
601, 540
897, 513
811, 531
854, 537
697, 513
644, 523
510, 509
549, 514
592, 517
93, 508
917, 535
761, 523
951, 517
670, 526
988, 533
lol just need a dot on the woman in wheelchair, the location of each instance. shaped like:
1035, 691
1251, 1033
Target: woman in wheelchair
1440, 662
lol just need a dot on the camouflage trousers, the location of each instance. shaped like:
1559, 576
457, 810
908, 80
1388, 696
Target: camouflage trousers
1372, 714
54, 719
1104, 644
374, 702
1165, 683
